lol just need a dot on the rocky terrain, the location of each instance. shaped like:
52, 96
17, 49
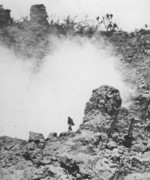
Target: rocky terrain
112, 143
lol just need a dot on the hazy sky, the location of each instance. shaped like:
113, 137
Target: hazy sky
129, 14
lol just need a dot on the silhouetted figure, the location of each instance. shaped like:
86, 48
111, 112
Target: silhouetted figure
70, 123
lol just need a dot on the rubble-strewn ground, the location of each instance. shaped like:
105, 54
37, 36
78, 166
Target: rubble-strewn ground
112, 143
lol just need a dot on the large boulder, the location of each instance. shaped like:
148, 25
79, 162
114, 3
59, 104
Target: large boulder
36, 138
101, 110
105, 99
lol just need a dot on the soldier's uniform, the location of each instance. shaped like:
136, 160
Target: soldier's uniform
70, 123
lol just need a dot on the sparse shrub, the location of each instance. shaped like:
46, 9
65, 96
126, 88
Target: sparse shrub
107, 22
30, 37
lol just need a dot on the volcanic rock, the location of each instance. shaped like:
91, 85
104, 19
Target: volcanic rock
38, 14
105, 99
35, 137
5, 17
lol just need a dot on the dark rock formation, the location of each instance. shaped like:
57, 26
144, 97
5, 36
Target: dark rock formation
5, 17
38, 14
106, 99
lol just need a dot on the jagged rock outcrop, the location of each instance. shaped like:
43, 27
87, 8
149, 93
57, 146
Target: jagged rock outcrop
38, 14
5, 17
105, 99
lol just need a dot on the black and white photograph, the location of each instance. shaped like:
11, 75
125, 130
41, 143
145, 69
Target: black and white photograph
74, 90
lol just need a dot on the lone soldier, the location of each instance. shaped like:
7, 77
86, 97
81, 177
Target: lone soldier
70, 123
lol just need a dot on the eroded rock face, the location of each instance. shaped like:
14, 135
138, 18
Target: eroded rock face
103, 107
106, 99
5, 17
38, 14
36, 137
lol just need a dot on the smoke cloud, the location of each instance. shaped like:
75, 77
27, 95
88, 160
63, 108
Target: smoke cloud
41, 100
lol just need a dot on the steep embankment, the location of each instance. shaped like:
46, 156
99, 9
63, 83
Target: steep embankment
113, 142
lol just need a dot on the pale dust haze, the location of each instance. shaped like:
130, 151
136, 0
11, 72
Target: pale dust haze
41, 100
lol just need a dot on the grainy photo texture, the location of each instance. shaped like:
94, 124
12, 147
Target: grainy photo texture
74, 90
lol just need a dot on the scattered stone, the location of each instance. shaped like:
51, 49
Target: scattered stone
138, 147
146, 155
36, 137
52, 137
111, 145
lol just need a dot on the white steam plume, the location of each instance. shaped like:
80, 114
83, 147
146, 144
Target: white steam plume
41, 101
